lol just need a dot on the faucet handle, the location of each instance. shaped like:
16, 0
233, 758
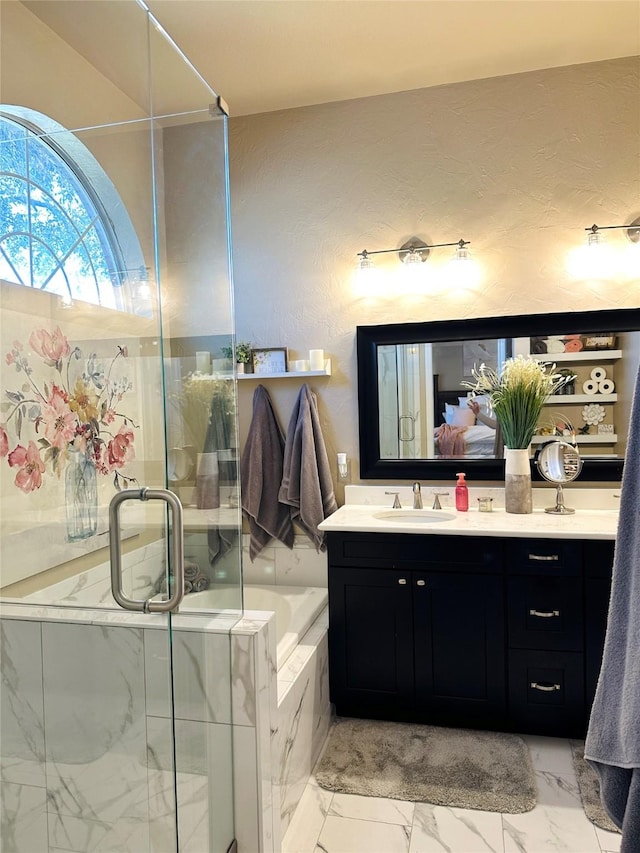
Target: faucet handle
436, 499
396, 500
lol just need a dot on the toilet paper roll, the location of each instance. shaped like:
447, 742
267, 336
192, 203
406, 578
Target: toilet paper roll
606, 386
590, 387
598, 373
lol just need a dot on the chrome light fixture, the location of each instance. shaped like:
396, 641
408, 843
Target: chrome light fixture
633, 231
460, 273
598, 259
414, 251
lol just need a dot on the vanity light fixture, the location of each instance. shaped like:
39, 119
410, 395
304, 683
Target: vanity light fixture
598, 259
414, 251
633, 231
461, 272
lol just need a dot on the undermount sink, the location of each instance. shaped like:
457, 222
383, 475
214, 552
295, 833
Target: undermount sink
422, 516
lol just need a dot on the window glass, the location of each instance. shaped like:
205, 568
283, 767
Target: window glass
55, 233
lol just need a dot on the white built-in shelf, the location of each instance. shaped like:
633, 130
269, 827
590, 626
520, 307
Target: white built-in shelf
590, 355
299, 374
563, 399
604, 438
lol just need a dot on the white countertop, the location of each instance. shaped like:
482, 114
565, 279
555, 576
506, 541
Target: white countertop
586, 523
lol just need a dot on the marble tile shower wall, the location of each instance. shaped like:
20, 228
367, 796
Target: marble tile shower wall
86, 757
85, 730
302, 566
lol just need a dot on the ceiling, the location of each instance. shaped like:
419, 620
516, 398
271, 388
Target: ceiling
264, 55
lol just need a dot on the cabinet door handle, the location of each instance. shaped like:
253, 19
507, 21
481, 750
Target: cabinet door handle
402, 581
544, 558
544, 614
421, 583
546, 688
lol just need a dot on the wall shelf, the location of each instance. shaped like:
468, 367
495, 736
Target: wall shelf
590, 355
604, 438
300, 374
563, 399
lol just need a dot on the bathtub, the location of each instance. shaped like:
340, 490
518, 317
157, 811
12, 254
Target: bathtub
296, 608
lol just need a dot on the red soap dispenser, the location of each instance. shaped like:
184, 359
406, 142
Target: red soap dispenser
462, 494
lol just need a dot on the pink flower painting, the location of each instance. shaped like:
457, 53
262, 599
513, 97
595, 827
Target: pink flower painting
30, 466
76, 408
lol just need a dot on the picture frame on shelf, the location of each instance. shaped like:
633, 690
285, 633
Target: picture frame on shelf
269, 360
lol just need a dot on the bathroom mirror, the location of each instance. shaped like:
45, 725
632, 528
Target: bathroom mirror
559, 462
410, 385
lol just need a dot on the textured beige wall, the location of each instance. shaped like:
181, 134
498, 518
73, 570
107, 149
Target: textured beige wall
519, 165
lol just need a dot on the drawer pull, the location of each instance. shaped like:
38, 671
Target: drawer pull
544, 557
546, 688
421, 583
544, 614
402, 581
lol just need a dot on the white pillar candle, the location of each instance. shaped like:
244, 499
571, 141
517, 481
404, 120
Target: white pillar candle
203, 362
316, 359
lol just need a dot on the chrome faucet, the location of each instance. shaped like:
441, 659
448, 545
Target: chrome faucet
396, 500
417, 496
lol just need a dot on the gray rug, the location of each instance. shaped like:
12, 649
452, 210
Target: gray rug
490, 771
589, 786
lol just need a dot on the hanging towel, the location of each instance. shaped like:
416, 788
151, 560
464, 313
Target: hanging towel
261, 475
613, 739
221, 438
307, 486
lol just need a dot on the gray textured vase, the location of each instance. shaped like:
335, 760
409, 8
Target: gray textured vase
517, 481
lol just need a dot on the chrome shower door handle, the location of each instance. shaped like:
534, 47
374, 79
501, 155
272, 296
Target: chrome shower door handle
177, 550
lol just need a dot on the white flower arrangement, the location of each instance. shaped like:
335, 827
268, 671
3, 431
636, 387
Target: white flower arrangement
517, 394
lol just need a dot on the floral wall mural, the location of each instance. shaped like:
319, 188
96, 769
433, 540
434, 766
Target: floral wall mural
65, 415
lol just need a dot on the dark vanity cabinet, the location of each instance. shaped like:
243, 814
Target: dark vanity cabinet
477, 632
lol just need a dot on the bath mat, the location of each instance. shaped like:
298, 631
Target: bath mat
589, 786
448, 767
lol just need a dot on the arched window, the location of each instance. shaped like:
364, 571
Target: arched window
63, 226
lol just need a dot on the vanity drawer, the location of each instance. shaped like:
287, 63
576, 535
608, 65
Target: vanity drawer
416, 551
544, 557
546, 692
545, 613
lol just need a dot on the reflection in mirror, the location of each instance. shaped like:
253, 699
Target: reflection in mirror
416, 413
559, 463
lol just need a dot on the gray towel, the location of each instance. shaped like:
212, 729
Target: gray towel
261, 475
307, 486
613, 738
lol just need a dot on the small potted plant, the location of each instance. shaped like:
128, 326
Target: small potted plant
243, 357
241, 354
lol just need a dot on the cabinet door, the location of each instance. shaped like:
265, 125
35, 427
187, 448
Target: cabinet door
370, 642
597, 592
459, 649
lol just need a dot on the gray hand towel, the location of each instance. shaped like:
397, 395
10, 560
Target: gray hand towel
307, 486
261, 475
613, 738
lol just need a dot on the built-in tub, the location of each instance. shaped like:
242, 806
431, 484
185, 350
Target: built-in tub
296, 608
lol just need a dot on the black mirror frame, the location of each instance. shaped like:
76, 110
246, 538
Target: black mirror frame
368, 338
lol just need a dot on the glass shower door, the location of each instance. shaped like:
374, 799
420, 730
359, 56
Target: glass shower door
114, 280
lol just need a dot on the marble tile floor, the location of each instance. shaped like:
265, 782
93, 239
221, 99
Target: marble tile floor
325, 822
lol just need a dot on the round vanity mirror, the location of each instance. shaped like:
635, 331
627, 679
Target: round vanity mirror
559, 462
